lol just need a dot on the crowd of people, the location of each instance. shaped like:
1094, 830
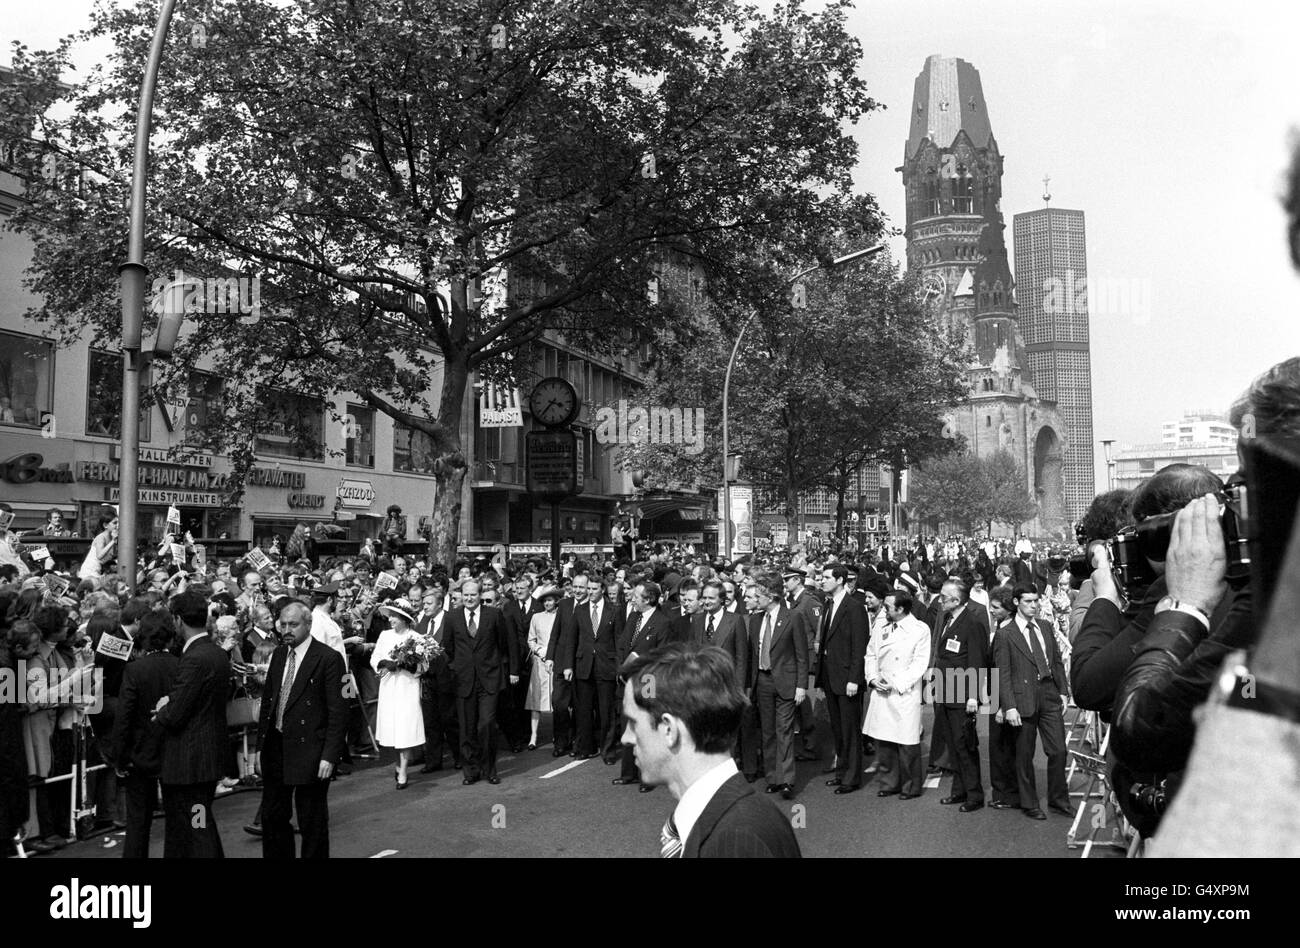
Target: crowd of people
202, 680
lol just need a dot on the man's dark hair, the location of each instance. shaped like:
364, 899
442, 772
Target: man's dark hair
8, 573
135, 610
51, 620
839, 571
1272, 402
1004, 597
190, 608
1106, 515
1023, 590
934, 582
695, 684
651, 590
902, 599
1173, 488
157, 632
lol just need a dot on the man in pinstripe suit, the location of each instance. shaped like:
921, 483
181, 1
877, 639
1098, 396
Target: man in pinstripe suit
683, 705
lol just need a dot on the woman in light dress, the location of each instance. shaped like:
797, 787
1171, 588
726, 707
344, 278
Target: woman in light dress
399, 722
101, 551
540, 630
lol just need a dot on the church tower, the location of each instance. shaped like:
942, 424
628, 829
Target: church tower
952, 174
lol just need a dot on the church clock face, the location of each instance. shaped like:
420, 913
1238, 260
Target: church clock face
934, 288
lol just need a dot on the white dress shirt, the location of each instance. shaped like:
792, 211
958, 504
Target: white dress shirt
1023, 625
300, 651
697, 797
328, 632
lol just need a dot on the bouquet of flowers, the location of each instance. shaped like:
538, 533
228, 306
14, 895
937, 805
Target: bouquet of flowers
415, 653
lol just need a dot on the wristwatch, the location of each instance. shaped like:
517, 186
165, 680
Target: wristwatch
1238, 687
1170, 603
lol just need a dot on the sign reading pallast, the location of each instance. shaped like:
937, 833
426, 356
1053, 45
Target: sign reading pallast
357, 495
499, 407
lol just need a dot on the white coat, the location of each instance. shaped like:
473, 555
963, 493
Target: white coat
901, 653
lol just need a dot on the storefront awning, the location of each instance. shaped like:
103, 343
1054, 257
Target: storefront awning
684, 508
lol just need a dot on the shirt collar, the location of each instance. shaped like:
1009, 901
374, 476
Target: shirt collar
697, 796
191, 642
300, 650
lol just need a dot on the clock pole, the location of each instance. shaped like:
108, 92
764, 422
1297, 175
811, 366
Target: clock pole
555, 537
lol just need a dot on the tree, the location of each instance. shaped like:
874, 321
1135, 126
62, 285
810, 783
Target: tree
860, 376
966, 491
426, 189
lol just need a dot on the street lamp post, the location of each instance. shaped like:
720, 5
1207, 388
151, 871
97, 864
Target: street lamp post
1110, 465
726, 388
132, 275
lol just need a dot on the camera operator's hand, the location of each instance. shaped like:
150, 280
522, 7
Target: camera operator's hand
1197, 560
1103, 580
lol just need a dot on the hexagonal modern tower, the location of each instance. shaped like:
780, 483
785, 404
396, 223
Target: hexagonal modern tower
952, 172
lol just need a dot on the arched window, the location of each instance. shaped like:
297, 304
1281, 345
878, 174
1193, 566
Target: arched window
932, 197
963, 199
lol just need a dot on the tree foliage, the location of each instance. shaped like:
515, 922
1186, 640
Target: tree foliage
965, 491
426, 189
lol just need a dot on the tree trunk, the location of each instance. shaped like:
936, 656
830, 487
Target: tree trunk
451, 467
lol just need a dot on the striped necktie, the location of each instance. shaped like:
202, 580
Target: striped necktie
670, 844
286, 685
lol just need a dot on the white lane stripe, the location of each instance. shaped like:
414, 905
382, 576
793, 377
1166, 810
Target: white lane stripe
384, 852
568, 766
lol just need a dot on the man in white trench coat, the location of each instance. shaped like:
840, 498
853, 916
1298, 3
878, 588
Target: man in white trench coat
896, 661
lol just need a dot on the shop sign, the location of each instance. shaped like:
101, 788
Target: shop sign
30, 469
194, 498
357, 495
306, 500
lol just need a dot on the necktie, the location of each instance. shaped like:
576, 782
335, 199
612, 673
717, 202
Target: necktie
670, 844
765, 649
285, 686
473, 626
1039, 658
636, 625
595, 617
708, 629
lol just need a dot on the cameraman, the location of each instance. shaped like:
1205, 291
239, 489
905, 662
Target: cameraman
1185, 648
1106, 642
1106, 516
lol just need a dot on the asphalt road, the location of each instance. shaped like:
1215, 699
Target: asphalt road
546, 806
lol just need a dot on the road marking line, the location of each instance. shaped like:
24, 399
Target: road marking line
568, 766
932, 783
384, 852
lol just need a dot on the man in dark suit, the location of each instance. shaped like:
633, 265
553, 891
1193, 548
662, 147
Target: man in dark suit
646, 630
518, 606
963, 637
714, 626
778, 676
588, 656
564, 723
844, 637
802, 601
138, 740
1031, 689
1002, 736
193, 718
483, 654
302, 733
680, 732
438, 689
688, 595
610, 742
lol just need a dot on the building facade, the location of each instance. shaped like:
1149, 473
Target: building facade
1051, 295
1135, 464
1198, 427
952, 174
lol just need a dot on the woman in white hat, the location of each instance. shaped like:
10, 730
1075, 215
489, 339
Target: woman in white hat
399, 722
540, 630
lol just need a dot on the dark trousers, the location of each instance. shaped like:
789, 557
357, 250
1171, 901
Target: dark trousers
899, 767
749, 742
54, 801
562, 705
1050, 723
312, 803
846, 725
438, 704
613, 729
776, 718
939, 751
1002, 762
966, 780
808, 724
141, 797
191, 826
594, 704
512, 717
478, 732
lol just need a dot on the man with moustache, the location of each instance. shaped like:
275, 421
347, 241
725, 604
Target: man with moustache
302, 732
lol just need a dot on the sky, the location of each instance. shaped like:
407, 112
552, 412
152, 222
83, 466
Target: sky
1168, 123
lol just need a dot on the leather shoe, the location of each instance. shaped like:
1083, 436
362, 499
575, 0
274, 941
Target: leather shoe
427, 769
908, 796
803, 757
622, 781
1002, 805
886, 793
834, 783
830, 770
253, 829
949, 801
1035, 814
470, 780
846, 788
970, 807
494, 780
787, 791
774, 788
558, 752
1062, 810
646, 788
586, 756
932, 770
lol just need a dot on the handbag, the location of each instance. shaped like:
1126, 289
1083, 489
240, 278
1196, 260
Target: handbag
243, 711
